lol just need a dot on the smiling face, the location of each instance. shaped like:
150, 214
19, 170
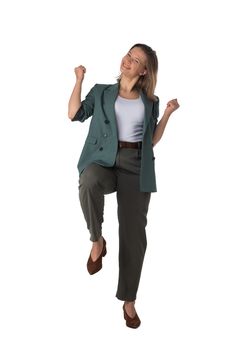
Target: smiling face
134, 63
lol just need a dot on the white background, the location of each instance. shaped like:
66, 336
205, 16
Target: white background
48, 300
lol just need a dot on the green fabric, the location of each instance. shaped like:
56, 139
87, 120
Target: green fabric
101, 144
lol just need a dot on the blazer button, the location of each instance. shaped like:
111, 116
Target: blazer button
153, 158
105, 135
106, 121
101, 148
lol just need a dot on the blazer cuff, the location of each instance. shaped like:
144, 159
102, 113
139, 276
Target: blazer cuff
80, 115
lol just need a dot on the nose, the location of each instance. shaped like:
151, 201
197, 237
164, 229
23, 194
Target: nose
128, 59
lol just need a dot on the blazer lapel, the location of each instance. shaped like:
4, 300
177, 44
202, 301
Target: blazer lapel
148, 110
108, 103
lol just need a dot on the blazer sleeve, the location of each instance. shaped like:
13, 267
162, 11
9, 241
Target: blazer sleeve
87, 107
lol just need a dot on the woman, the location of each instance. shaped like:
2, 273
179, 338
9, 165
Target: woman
118, 157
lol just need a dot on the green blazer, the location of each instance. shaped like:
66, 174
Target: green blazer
101, 144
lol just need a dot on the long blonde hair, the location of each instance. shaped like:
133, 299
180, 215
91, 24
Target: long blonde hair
147, 82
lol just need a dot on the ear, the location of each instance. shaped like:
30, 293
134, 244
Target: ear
143, 73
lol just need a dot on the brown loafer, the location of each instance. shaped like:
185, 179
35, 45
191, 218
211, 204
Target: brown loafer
131, 322
95, 266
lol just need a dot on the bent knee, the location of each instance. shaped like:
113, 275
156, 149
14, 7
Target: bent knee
90, 177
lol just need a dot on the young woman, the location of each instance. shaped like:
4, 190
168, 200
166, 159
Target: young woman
118, 157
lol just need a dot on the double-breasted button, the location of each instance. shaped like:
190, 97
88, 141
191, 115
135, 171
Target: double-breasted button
105, 135
107, 121
101, 148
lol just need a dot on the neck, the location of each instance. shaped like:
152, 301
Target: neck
127, 85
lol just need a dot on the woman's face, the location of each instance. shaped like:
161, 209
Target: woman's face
134, 63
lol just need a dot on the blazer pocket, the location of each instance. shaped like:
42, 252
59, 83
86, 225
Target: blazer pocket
92, 140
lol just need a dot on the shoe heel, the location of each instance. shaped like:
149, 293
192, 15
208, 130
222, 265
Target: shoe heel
104, 251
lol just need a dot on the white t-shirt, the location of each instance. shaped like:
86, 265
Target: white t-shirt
130, 118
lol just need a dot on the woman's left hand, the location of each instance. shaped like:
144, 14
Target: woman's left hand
172, 106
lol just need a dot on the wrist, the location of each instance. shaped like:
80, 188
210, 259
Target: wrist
79, 81
167, 115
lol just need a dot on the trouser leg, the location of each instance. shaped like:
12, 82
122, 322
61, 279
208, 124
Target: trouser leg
132, 215
94, 183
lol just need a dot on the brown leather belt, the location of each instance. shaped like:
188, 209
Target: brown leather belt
124, 144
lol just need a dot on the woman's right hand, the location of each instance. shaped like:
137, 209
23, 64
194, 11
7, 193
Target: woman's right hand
80, 72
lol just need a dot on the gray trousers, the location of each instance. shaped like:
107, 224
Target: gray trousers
123, 178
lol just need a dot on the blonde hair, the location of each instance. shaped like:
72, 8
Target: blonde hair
147, 82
